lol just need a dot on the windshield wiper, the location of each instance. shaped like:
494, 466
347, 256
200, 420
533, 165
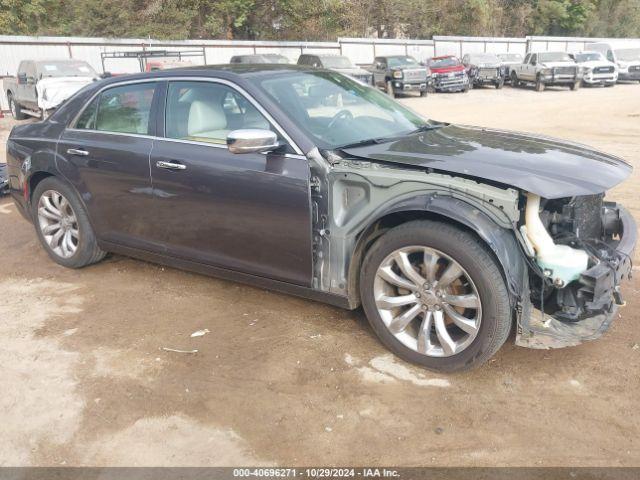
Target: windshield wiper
427, 127
363, 143
376, 141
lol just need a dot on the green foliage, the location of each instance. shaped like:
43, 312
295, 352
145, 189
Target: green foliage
318, 19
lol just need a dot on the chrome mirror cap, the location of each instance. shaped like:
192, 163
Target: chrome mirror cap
251, 140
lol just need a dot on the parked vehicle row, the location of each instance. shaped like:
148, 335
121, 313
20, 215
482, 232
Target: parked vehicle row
41, 86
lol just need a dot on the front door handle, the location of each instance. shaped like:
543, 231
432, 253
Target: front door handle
76, 151
170, 165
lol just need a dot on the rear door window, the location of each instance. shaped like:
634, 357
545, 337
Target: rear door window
125, 109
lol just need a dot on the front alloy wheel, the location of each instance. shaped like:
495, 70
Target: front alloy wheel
435, 296
427, 301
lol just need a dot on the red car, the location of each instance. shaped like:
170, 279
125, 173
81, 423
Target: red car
448, 74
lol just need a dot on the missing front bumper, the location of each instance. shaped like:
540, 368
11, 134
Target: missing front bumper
539, 331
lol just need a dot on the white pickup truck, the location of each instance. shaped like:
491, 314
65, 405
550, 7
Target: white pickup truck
547, 68
41, 86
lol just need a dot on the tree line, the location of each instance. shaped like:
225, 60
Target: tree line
318, 19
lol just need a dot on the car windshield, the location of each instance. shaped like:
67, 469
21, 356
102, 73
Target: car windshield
66, 69
335, 110
443, 62
275, 58
554, 57
483, 58
395, 62
336, 62
589, 57
510, 57
628, 54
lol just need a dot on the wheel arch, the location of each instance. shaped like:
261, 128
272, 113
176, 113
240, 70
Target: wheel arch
500, 242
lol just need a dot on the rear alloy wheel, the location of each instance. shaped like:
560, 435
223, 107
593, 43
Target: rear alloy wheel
58, 224
434, 296
16, 111
63, 226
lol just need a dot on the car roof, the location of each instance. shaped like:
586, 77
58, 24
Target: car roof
228, 71
58, 60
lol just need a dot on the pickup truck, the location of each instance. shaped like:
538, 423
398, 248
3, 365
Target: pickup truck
547, 68
483, 69
596, 70
41, 86
337, 63
448, 74
399, 73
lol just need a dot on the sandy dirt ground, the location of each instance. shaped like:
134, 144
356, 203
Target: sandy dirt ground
284, 381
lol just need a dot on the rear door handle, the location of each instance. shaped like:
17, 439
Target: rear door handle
76, 151
170, 165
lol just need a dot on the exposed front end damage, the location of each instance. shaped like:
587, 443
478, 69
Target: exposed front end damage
350, 198
565, 257
558, 314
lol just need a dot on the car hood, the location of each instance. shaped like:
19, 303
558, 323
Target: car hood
545, 166
455, 68
557, 64
486, 65
597, 63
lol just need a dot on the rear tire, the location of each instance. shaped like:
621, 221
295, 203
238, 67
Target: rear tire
480, 281
63, 226
16, 110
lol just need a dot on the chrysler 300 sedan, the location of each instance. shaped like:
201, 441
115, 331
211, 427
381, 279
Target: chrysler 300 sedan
308, 182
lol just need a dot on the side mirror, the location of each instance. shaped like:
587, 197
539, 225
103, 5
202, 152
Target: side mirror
22, 78
252, 140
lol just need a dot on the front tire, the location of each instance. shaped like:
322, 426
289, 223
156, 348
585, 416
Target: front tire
575, 85
389, 89
514, 80
540, 86
435, 296
63, 225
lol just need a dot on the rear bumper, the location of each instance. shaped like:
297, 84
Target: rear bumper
602, 281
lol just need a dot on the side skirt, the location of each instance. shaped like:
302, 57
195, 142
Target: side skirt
234, 276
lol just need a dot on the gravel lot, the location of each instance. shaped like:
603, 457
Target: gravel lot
279, 380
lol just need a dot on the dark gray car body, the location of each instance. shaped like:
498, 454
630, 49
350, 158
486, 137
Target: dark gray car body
300, 219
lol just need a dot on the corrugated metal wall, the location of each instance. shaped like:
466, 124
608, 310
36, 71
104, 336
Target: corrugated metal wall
362, 51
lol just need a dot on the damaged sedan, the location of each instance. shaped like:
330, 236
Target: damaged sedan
308, 182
